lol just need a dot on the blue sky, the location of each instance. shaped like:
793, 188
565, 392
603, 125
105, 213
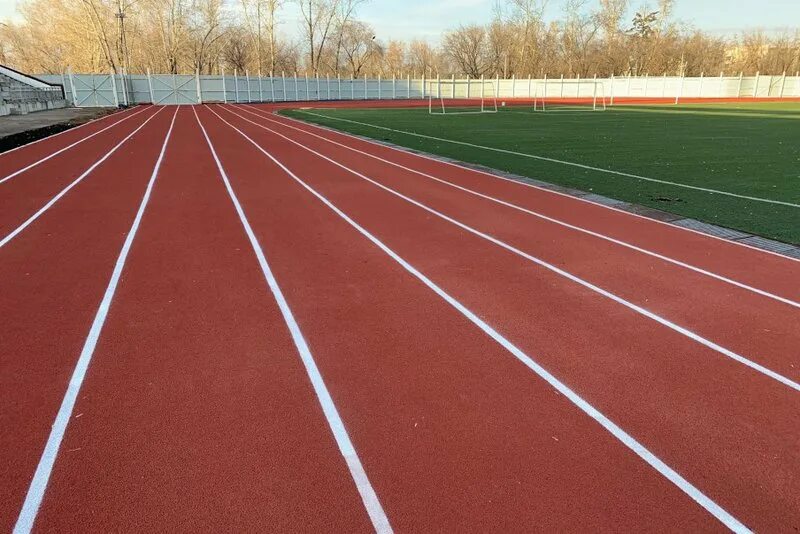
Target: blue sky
426, 19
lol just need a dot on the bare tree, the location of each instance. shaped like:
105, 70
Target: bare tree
358, 45
467, 47
318, 19
261, 17
208, 30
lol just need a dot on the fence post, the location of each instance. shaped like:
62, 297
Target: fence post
114, 89
319, 91
247, 78
739, 89
680, 91
611, 101
646, 82
64, 83
379, 86
150, 86
702, 77
272, 85
224, 86
174, 89
664, 86
394, 86
197, 81
125, 87
94, 90
544, 93
561, 93
755, 89
328, 85
308, 88
296, 88
721, 83
530, 82
423, 86
783, 84
236, 84
72, 86
408, 86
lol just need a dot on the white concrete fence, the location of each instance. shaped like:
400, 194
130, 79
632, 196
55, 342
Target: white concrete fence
114, 90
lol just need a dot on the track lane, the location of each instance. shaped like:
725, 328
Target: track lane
751, 325
195, 394
706, 407
23, 158
22, 197
751, 266
52, 278
453, 431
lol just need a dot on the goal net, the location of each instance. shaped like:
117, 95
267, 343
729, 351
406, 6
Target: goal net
566, 95
450, 97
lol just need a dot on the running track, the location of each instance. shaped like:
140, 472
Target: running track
218, 319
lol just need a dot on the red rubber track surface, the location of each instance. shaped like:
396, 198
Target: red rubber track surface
15, 159
197, 414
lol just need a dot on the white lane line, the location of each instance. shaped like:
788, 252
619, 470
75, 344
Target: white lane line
75, 182
49, 137
561, 272
559, 161
541, 215
41, 477
461, 167
370, 499
62, 150
626, 439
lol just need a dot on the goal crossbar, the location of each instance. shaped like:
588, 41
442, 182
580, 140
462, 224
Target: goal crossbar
573, 94
461, 97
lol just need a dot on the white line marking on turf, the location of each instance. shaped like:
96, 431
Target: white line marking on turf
422, 155
346, 447
626, 439
541, 215
75, 182
559, 161
561, 272
57, 152
38, 486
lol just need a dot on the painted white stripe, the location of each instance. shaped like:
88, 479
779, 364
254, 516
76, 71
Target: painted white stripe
49, 137
38, 486
75, 182
370, 499
62, 150
559, 161
626, 439
561, 272
421, 155
541, 215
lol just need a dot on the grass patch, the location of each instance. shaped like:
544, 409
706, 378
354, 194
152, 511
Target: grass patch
745, 149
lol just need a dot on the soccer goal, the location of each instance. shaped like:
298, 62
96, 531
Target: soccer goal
569, 95
452, 97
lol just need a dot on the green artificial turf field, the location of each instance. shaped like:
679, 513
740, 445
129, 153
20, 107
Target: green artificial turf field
750, 150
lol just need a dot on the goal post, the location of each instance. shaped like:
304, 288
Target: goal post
460, 97
574, 95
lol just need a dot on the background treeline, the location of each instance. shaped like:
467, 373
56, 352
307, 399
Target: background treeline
180, 36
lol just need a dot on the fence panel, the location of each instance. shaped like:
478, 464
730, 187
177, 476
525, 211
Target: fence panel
107, 90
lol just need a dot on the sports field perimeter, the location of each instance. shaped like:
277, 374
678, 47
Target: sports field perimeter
735, 165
